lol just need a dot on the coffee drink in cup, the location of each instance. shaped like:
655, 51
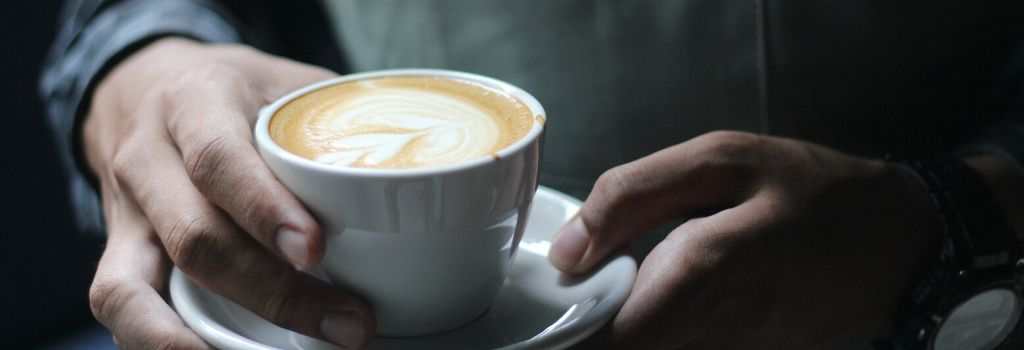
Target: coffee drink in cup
400, 122
421, 180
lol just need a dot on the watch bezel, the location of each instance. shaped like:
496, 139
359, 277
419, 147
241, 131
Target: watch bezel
932, 330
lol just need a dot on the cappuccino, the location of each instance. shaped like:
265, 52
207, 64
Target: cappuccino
400, 122
428, 246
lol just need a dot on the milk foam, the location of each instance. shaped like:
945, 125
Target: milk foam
376, 128
398, 123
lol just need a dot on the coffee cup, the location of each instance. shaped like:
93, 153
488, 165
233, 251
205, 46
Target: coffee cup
426, 237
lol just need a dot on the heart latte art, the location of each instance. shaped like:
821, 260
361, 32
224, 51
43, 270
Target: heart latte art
400, 122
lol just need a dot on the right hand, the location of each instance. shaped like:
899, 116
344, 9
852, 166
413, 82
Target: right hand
169, 137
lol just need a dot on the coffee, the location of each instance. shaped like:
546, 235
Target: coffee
427, 246
400, 122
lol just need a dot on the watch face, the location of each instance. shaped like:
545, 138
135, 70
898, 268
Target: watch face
981, 322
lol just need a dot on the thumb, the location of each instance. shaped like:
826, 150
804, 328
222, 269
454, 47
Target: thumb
691, 179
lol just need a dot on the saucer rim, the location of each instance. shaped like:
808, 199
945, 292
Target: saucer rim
182, 289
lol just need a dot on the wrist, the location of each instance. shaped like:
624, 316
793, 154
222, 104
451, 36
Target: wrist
977, 261
917, 245
1006, 184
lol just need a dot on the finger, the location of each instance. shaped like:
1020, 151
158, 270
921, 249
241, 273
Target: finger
126, 293
692, 179
215, 141
206, 245
683, 296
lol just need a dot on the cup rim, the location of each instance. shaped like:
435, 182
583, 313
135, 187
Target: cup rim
266, 144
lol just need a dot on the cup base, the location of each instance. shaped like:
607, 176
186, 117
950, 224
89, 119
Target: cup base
427, 330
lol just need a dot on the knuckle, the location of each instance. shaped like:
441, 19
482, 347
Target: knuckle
106, 296
724, 143
127, 158
123, 163
205, 159
190, 241
260, 213
613, 192
614, 185
281, 305
730, 155
196, 83
211, 162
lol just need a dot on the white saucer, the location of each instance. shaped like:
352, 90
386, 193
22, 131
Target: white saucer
537, 308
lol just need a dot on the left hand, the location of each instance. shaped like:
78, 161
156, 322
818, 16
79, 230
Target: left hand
787, 244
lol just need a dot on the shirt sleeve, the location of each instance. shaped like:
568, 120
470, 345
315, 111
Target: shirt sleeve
1005, 138
94, 35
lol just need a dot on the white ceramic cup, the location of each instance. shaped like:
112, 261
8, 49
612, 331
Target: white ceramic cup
428, 248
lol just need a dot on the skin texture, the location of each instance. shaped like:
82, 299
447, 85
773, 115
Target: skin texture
169, 138
788, 245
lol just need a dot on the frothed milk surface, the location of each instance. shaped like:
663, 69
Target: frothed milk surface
400, 122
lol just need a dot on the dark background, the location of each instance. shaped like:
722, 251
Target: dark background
45, 266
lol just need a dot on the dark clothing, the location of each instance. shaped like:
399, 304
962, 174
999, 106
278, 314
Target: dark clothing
900, 77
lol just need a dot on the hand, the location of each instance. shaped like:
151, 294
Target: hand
787, 245
168, 136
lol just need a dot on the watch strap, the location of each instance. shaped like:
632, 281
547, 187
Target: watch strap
976, 249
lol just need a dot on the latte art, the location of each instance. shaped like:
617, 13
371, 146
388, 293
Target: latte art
400, 122
373, 129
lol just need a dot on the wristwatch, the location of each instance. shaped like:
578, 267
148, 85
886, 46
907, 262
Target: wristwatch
970, 297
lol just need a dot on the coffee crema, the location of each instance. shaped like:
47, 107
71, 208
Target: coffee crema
400, 122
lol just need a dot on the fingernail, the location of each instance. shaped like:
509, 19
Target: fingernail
343, 328
569, 246
294, 246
